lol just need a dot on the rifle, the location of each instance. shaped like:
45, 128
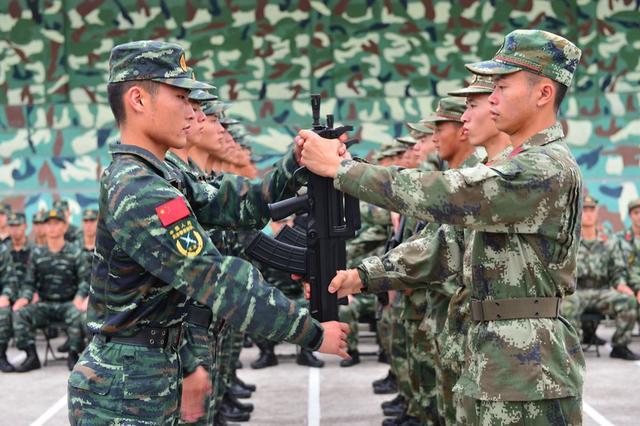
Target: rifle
317, 249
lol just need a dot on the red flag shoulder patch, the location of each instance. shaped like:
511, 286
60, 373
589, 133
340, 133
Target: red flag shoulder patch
172, 211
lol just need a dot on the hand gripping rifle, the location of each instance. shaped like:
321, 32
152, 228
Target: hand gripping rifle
317, 249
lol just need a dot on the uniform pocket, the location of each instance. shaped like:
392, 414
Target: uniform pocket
85, 378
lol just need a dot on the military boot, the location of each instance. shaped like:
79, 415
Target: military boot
623, 352
247, 342
306, 357
355, 359
411, 421
219, 420
387, 386
395, 410
395, 421
383, 357
248, 386
399, 399
64, 347
389, 376
232, 400
267, 356
5, 365
238, 391
32, 362
72, 358
232, 413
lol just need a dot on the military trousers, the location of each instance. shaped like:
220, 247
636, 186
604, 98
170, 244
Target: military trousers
612, 302
6, 331
545, 412
422, 374
41, 314
399, 356
116, 383
383, 327
360, 306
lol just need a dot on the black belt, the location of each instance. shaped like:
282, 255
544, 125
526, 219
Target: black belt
151, 337
199, 316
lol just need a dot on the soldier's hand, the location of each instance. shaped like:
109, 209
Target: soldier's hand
80, 303
346, 283
4, 301
195, 387
35, 298
638, 297
321, 156
334, 339
624, 289
20, 303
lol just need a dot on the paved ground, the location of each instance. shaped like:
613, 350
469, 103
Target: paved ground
292, 395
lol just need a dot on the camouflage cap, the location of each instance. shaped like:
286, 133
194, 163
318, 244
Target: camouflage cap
633, 204
152, 60
54, 214
449, 109
589, 201
201, 95
38, 217
61, 205
481, 84
228, 121
90, 214
408, 141
16, 218
536, 51
216, 107
5, 209
421, 127
390, 151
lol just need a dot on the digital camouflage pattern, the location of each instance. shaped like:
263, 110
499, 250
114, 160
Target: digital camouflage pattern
524, 359
629, 246
376, 64
57, 278
8, 288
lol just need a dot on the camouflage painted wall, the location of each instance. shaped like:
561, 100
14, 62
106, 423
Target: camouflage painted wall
376, 63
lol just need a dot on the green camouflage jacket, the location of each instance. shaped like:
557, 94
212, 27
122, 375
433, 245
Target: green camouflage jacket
73, 234
600, 264
8, 281
20, 260
152, 253
526, 212
373, 234
630, 248
56, 277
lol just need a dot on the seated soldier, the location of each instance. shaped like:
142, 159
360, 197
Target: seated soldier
57, 273
602, 286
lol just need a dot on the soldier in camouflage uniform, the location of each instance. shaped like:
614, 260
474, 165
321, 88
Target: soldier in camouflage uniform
5, 211
73, 234
8, 288
152, 256
523, 260
602, 283
38, 231
57, 273
629, 244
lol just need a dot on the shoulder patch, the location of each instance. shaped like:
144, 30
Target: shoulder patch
172, 211
187, 239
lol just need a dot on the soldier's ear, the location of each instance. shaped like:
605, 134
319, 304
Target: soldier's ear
546, 92
133, 99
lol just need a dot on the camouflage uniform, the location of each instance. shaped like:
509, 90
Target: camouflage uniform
629, 245
145, 225
73, 233
8, 287
544, 364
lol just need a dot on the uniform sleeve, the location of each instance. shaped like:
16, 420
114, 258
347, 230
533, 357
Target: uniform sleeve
8, 275
154, 226
433, 256
232, 201
515, 196
28, 287
83, 273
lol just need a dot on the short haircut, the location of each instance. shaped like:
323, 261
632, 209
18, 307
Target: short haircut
116, 91
561, 89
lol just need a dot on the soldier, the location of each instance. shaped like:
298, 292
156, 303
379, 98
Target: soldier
602, 283
5, 211
526, 212
152, 255
629, 243
57, 273
8, 286
73, 234
38, 231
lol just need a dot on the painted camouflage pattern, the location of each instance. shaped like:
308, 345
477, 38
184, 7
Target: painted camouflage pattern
377, 64
527, 359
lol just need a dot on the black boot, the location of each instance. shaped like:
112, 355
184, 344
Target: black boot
247, 342
234, 414
389, 376
306, 357
219, 420
248, 386
5, 365
623, 352
388, 386
72, 358
64, 347
232, 400
32, 362
383, 357
410, 421
238, 365
395, 421
238, 391
355, 359
395, 410
399, 399
267, 356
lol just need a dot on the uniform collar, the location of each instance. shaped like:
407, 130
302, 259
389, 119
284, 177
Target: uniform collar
145, 155
548, 135
176, 161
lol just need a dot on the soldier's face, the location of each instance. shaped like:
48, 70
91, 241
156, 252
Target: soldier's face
589, 216
89, 227
511, 103
447, 139
477, 122
17, 232
424, 147
55, 228
213, 136
634, 215
196, 132
39, 229
171, 117
3, 220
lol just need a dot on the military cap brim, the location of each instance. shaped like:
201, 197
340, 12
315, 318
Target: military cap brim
201, 95
420, 128
492, 67
471, 90
440, 118
633, 204
184, 83
406, 140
